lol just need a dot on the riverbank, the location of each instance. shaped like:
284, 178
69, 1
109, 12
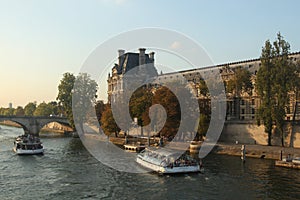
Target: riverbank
225, 148
256, 151
253, 151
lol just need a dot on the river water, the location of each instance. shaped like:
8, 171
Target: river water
68, 171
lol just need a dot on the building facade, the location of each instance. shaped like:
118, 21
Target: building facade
242, 107
126, 62
245, 106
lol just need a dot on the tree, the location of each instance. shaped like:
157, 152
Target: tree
54, 107
7, 111
30, 108
84, 98
168, 100
99, 109
43, 109
241, 82
296, 87
263, 86
19, 111
204, 118
64, 96
202, 126
238, 85
274, 82
205, 110
139, 105
285, 73
2, 111
108, 123
203, 88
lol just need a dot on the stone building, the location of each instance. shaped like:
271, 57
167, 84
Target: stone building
126, 62
243, 107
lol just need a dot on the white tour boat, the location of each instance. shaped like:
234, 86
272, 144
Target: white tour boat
166, 161
28, 145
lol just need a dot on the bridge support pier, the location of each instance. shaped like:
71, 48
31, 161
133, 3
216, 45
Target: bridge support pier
33, 127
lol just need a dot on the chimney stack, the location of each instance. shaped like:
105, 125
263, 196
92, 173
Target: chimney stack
121, 57
151, 56
142, 56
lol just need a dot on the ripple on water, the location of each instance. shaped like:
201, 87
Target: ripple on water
68, 171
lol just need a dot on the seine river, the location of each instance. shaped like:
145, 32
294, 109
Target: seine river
68, 171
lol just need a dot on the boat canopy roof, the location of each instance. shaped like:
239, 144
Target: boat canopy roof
165, 151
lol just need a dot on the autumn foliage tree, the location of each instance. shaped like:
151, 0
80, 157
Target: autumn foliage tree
108, 123
139, 104
169, 101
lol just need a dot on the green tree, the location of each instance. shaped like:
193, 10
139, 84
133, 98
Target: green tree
202, 87
204, 118
241, 82
274, 82
30, 108
64, 96
285, 73
8, 111
2, 111
296, 86
263, 86
202, 126
238, 85
205, 110
54, 107
84, 98
43, 109
19, 111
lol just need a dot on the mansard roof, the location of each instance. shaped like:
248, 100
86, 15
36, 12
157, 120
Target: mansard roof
130, 60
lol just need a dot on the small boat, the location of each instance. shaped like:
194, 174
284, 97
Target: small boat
28, 145
296, 160
166, 161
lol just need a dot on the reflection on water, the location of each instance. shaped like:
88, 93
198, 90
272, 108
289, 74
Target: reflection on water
68, 171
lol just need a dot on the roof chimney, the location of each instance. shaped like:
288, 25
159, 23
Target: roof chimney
151, 56
121, 57
142, 57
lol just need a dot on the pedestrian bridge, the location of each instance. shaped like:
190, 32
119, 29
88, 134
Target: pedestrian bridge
33, 124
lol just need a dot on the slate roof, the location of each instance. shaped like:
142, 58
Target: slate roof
129, 61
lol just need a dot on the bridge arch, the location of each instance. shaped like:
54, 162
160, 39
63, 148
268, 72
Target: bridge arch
43, 123
25, 129
33, 124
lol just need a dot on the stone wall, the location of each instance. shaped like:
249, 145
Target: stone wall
250, 133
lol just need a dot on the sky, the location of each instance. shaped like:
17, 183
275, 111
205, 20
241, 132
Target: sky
40, 40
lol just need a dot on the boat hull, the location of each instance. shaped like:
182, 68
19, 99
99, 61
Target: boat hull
168, 170
28, 152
